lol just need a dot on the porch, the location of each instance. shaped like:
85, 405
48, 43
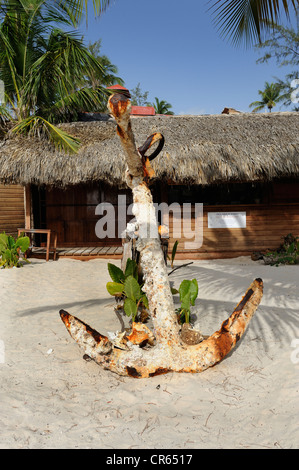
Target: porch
80, 253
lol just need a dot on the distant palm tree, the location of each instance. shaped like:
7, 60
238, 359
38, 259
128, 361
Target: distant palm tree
271, 95
162, 107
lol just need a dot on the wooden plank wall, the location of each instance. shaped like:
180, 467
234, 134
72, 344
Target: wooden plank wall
12, 214
265, 227
71, 213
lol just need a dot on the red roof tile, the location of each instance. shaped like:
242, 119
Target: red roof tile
143, 110
116, 87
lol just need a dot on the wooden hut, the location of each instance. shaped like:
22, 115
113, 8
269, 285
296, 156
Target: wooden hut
235, 164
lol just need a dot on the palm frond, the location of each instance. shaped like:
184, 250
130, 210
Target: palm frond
5, 115
68, 106
39, 127
239, 20
45, 68
80, 7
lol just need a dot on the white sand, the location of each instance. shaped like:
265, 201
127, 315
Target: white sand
51, 398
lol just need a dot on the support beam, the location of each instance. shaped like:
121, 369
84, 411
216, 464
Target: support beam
28, 206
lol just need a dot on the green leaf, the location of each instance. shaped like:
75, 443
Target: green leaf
7, 255
11, 242
188, 290
131, 268
130, 308
23, 243
239, 20
174, 291
173, 253
185, 302
132, 288
184, 288
37, 125
114, 288
116, 273
291, 248
193, 291
3, 239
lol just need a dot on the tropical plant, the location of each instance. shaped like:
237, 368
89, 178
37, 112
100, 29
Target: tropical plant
188, 291
270, 96
247, 20
44, 69
162, 107
125, 285
10, 250
287, 253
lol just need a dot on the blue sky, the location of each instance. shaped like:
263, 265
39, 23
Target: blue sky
174, 51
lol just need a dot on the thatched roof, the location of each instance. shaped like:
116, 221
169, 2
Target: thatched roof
198, 150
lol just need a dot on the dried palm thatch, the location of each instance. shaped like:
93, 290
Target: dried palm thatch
198, 150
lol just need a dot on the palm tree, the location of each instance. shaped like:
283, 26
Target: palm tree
247, 19
270, 96
162, 107
44, 70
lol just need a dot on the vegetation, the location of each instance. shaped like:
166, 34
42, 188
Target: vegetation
162, 107
10, 250
173, 253
125, 286
283, 47
45, 70
188, 291
270, 96
247, 20
287, 253
138, 97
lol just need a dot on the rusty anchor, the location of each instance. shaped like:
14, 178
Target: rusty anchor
165, 350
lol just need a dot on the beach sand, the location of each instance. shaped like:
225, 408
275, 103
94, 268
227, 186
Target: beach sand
52, 398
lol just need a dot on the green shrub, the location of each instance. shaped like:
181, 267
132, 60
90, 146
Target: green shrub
287, 253
125, 285
10, 250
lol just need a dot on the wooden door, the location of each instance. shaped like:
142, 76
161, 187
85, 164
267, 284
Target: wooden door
71, 212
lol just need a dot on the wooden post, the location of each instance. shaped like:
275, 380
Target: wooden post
28, 206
